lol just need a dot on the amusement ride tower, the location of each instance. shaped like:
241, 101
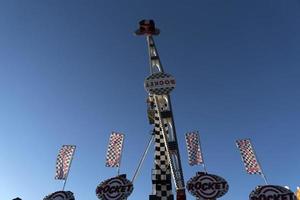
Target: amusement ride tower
167, 164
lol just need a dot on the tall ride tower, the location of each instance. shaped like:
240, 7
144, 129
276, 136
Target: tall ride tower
167, 162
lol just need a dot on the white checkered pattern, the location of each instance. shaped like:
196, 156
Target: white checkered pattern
248, 156
161, 174
114, 150
63, 161
161, 90
193, 147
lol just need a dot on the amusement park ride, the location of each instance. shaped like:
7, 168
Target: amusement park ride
167, 158
167, 162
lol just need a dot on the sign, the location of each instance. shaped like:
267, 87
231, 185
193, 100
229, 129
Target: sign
117, 188
159, 83
207, 186
271, 192
60, 195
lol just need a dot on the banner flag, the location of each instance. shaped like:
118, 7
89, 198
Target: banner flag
248, 156
194, 149
114, 150
63, 161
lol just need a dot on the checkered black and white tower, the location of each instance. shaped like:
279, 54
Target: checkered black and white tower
167, 164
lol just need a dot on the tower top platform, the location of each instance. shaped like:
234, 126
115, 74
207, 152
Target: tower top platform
147, 27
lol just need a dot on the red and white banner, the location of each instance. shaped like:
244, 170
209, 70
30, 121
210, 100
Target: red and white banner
248, 156
194, 149
63, 161
114, 151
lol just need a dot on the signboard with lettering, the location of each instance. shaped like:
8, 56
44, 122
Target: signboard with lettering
117, 188
207, 186
60, 195
159, 83
271, 192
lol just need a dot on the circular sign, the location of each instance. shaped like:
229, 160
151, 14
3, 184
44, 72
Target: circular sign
159, 83
271, 192
60, 195
207, 186
117, 188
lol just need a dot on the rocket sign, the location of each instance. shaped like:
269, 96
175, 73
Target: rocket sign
207, 186
116, 188
60, 195
159, 83
272, 192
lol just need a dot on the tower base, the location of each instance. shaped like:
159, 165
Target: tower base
154, 197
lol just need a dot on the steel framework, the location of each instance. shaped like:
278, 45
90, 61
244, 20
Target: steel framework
167, 163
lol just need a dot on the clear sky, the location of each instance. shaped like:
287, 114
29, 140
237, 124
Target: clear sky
72, 71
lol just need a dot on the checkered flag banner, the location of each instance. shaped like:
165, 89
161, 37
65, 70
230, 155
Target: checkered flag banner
114, 151
63, 161
248, 156
194, 149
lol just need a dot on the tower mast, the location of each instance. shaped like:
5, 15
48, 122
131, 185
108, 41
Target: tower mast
167, 161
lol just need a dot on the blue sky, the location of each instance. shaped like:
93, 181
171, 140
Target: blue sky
72, 71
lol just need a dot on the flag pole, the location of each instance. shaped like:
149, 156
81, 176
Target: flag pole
204, 167
119, 166
262, 173
264, 177
65, 181
203, 164
118, 170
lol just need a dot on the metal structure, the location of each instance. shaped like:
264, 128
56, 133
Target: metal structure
167, 162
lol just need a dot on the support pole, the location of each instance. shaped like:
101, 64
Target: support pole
118, 169
63, 189
143, 158
262, 173
203, 165
264, 177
